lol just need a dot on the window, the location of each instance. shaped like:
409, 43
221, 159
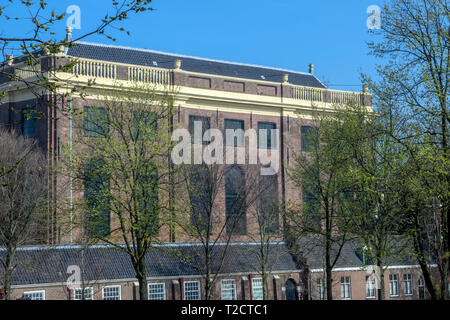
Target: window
28, 123
370, 286
96, 123
257, 289
96, 190
145, 124
320, 289
147, 201
199, 193
228, 288
267, 138
35, 295
421, 285
393, 285
311, 202
192, 290
345, 288
407, 284
234, 200
205, 124
268, 204
88, 294
111, 293
235, 134
307, 138
156, 291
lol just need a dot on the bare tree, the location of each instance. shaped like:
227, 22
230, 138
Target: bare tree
121, 166
22, 199
219, 197
267, 233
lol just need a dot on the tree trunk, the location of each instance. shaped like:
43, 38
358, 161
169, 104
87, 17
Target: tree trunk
141, 276
419, 250
8, 271
381, 287
328, 269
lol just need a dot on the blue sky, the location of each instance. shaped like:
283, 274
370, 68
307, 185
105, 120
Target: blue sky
287, 34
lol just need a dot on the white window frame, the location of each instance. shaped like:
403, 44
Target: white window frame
259, 287
105, 287
346, 288
163, 290
225, 289
391, 283
320, 284
370, 287
199, 289
35, 292
87, 288
407, 284
421, 285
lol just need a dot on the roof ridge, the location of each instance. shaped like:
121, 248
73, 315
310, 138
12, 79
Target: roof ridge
160, 245
196, 57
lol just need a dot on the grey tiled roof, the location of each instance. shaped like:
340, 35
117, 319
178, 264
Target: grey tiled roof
146, 57
42, 264
313, 251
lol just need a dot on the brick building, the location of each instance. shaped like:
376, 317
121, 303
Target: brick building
219, 93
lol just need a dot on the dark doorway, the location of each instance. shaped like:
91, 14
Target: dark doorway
291, 290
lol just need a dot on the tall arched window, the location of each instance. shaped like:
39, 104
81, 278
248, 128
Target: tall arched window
147, 198
199, 182
235, 210
96, 195
268, 204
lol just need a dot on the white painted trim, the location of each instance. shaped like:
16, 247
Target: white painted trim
153, 283
199, 288
92, 292
120, 291
36, 291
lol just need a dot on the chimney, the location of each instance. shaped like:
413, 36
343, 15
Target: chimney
9, 59
68, 34
311, 68
177, 64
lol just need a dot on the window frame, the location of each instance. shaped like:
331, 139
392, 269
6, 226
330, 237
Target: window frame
35, 292
25, 122
259, 287
346, 285
371, 281
91, 289
204, 119
391, 282
89, 132
232, 289
407, 284
114, 286
198, 286
235, 143
421, 286
320, 289
273, 144
163, 290
303, 143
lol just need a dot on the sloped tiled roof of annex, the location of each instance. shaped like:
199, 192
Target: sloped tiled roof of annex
41, 264
350, 256
145, 57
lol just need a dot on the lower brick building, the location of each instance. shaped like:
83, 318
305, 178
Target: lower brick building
176, 271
